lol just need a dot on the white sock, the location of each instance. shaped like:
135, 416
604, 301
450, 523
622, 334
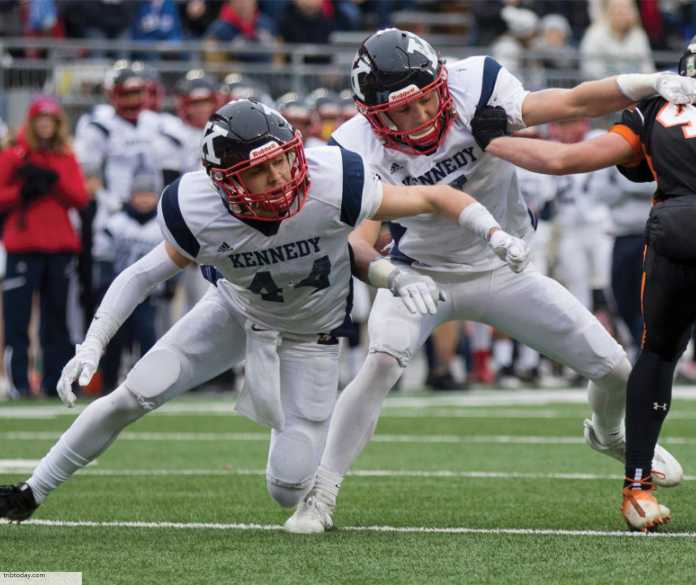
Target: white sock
326, 485
607, 398
356, 412
91, 433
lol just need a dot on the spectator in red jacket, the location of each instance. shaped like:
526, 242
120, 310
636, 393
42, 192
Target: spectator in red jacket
40, 182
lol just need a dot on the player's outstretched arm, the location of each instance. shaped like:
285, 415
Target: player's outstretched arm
460, 207
420, 293
553, 158
596, 98
127, 291
400, 201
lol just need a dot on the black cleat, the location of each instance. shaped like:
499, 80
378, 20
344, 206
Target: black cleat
445, 382
17, 502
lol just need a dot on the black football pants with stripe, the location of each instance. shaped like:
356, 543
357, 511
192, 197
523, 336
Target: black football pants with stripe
49, 276
669, 311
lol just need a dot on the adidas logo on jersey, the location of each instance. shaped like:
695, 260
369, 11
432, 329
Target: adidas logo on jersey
224, 247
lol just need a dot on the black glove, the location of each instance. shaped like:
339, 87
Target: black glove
37, 180
488, 123
29, 193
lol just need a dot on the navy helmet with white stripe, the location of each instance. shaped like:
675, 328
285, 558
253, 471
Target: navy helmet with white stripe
244, 134
392, 68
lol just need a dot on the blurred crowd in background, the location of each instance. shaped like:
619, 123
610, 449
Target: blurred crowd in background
662, 24
79, 193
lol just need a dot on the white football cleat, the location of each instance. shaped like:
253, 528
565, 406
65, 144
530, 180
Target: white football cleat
311, 517
666, 470
642, 511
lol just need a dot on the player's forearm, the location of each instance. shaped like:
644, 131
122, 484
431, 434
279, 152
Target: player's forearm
596, 98
130, 288
363, 254
462, 208
538, 156
446, 201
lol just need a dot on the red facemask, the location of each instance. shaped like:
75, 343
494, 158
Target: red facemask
274, 204
125, 104
184, 102
402, 140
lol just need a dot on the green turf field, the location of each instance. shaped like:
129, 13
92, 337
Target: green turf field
451, 490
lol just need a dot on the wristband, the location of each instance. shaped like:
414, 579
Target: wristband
381, 273
478, 219
636, 86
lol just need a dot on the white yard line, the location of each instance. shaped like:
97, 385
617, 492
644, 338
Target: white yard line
401, 529
476, 398
26, 466
434, 473
379, 438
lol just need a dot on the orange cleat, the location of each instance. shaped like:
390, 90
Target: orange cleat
641, 510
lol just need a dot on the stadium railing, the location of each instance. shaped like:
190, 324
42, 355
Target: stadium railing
73, 69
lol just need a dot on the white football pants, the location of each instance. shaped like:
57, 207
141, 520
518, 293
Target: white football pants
204, 343
584, 261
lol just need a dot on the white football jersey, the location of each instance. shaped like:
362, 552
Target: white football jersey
537, 189
112, 146
435, 242
178, 147
292, 276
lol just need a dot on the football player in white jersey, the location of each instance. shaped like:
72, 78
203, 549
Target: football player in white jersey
115, 140
197, 97
584, 221
414, 129
272, 228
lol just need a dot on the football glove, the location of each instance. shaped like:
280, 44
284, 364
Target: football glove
676, 89
418, 292
80, 368
513, 251
488, 123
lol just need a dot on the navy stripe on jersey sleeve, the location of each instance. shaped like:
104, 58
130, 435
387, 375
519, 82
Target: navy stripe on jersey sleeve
103, 129
353, 183
491, 68
333, 142
174, 220
211, 274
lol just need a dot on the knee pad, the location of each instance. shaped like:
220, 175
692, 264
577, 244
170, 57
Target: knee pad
394, 337
292, 464
154, 376
384, 364
123, 400
617, 376
287, 497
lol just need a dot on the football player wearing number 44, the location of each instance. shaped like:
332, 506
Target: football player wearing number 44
656, 140
414, 128
270, 222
